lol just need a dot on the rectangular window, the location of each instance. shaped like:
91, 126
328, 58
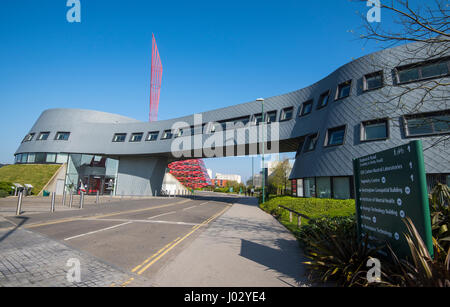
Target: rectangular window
341, 187
374, 130
335, 136
179, 133
271, 117
40, 158
257, 118
310, 187
28, 137
344, 89
286, 114
300, 188
61, 158
24, 158
311, 142
31, 158
306, 108
136, 137
428, 123
167, 135
51, 158
323, 187
119, 137
62, 136
373, 81
323, 100
43, 136
424, 70
152, 136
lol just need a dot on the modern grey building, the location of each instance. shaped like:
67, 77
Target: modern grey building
373, 103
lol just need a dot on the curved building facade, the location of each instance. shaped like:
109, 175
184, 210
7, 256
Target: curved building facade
363, 107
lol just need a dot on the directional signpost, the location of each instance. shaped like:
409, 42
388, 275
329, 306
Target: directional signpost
391, 185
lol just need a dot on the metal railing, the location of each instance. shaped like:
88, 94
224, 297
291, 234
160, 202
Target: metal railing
299, 215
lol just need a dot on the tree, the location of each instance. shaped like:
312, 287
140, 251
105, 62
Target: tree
279, 178
426, 25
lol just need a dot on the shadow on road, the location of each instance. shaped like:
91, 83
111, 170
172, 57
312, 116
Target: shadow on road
22, 221
275, 259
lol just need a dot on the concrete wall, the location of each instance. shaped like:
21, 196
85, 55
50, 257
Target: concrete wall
140, 176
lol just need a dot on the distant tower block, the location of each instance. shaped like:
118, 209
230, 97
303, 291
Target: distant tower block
155, 82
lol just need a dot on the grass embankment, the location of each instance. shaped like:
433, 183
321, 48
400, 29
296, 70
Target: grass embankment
35, 174
311, 207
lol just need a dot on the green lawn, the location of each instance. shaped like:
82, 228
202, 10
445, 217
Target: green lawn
35, 174
311, 207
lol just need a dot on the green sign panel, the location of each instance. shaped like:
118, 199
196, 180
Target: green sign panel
389, 186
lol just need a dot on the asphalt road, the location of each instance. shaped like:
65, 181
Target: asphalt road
140, 236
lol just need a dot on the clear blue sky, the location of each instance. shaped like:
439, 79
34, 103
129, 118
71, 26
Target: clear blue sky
214, 53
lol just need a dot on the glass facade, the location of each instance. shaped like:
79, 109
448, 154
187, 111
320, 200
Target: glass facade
94, 173
309, 185
41, 158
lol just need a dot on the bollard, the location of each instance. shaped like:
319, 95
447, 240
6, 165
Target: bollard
64, 198
290, 217
299, 221
81, 200
52, 206
19, 204
97, 199
71, 200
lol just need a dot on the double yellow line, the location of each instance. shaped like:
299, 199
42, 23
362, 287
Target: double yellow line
141, 268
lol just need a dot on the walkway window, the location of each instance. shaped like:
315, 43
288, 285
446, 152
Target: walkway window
136, 137
167, 135
373, 81
311, 142
335, 136
271, 117
428, 123
43, 136
51, 158
344, 89
306, 108
323, 100
62, 136
119, 137
424, 70
286, 114
374, 130
152, 136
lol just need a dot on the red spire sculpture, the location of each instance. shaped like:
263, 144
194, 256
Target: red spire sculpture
155, 81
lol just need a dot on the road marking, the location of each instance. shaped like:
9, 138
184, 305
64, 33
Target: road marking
204, 203
152, 217
154, 255
175, 243
143, 221
92, 232
66, 220
188, 208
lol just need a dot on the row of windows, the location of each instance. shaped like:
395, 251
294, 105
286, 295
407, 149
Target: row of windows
424, 124
41, 158
43, 136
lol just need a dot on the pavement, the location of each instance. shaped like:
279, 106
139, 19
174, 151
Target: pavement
245, 247
209, 240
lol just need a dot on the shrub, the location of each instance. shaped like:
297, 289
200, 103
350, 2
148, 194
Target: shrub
3, 194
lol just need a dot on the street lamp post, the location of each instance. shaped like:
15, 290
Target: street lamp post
263, 179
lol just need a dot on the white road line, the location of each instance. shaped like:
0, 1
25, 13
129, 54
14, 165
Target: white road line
145, 221
152, 217
204, 203
188, 208
92, 232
